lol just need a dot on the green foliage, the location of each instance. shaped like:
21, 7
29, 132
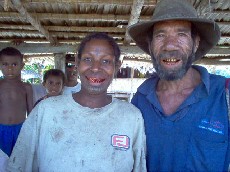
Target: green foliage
39, 69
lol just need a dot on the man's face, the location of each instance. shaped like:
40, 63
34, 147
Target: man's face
11, 66
97, 67
173, 49
71, 71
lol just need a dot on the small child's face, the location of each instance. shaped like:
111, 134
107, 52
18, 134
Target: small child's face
54, 85
11, 66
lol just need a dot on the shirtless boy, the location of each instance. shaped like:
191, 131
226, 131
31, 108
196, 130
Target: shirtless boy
15, 98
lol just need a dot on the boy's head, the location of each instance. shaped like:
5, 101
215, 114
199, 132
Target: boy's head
11, 63
53, 81
71, 70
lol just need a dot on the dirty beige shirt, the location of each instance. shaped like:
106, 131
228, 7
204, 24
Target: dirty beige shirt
3, 161
60, 135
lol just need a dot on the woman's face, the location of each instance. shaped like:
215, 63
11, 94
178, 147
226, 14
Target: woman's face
97, 66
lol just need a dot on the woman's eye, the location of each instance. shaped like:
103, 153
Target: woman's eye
106, 61
86, 59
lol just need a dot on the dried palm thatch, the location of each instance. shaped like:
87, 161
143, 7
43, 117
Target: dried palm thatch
57, 26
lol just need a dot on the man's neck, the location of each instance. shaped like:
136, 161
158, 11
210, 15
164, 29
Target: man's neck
191, 79
172, 94
71, 83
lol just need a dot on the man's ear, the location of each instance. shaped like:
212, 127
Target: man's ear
196, 43
117, 66
76, 60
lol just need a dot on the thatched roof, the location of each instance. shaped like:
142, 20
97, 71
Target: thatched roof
57, 26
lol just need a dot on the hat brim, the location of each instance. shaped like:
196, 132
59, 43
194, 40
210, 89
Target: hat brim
208, 30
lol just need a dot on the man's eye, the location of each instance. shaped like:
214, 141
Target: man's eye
14, 64
4, 64
69, 65
182, 34
160, 36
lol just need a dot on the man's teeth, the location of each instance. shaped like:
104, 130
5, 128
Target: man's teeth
170, 60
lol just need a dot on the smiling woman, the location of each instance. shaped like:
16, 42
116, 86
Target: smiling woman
97, 67
86, 127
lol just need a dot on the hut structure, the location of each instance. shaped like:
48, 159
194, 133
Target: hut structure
52, 28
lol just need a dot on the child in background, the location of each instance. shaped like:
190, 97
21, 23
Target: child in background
16, 98
53, 81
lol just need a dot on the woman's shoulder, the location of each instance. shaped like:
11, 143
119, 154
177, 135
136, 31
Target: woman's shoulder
126, 106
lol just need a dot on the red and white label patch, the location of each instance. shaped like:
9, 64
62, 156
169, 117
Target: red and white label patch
120, 141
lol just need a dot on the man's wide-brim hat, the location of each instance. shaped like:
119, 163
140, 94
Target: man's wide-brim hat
208, 30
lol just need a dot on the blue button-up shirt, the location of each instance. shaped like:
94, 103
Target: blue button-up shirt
196, 136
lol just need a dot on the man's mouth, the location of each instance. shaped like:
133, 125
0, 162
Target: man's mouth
171, 60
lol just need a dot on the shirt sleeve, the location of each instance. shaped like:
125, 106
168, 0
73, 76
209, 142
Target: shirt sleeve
139, 146
135, 99
24, 155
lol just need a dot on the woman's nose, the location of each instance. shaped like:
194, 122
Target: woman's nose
95, 66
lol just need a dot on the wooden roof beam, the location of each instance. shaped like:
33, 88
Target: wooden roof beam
34, 22
43, 40
82, 35
134, 17
214, 61
101, 2
78, 17
47, 48
72, 17
7, 4
67, 35
65, 28
223, 23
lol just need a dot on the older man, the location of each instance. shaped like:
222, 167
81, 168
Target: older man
184, 107
72, 85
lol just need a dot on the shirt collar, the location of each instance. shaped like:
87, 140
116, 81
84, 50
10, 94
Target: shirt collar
149, 85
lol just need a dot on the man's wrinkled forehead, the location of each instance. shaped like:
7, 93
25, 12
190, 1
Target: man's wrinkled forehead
178, 23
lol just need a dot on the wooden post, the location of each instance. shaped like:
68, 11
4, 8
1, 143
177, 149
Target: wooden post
59, 61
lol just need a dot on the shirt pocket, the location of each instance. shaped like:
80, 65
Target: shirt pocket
206, 153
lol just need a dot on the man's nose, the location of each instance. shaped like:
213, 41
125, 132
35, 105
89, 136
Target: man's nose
73, 68
170, 43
